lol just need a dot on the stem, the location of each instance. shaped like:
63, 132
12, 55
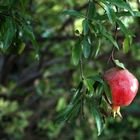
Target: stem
111, 57
82, 108
87, 12
81, 68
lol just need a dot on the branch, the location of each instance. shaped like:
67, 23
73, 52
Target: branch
38, 74
57, 38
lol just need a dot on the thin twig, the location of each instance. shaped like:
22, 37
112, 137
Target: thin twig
81, 68
111, 57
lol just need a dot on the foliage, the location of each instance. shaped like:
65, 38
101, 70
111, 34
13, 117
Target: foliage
52, 58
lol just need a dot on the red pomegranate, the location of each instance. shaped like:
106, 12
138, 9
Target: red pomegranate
123, 86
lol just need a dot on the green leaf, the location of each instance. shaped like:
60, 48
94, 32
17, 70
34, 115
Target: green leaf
111, 39
91, 10
72, 107
73, 13
86, 47
8, 38
98, 46
8, 33
108, 36
121, 4
69, 112
28, 32
77, 93
61, 104
85, 25
110, 12
99, 90
21, 48
94, 110
75, 112
118, 14
126, 44
89, 84
107, 90
123, 28
96, 78
76, 53
136, 13
119, 64
98, 119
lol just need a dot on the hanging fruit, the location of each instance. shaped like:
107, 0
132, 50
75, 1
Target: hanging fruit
123, 86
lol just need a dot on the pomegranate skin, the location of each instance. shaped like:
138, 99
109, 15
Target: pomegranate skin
123, 86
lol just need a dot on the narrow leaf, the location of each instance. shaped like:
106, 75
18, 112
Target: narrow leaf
126, 44
110, 13
72, 107
76, 53
21, 48
122, 4
98, 119
98, 46
111, 39
119, 64
89, 84
91, 10
85, 25
73, 13
99, 90
68, 113
8, 33
123, 28
96, 78
108, 36
118, 14
86, 47
107, 90
77, 93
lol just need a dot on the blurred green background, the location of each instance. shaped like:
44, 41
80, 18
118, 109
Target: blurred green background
33, 92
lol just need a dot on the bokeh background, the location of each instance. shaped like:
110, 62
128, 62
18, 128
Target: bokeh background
33, 92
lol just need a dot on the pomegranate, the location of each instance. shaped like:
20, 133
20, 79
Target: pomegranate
123, 86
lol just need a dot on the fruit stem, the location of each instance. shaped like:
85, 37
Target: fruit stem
116, 111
